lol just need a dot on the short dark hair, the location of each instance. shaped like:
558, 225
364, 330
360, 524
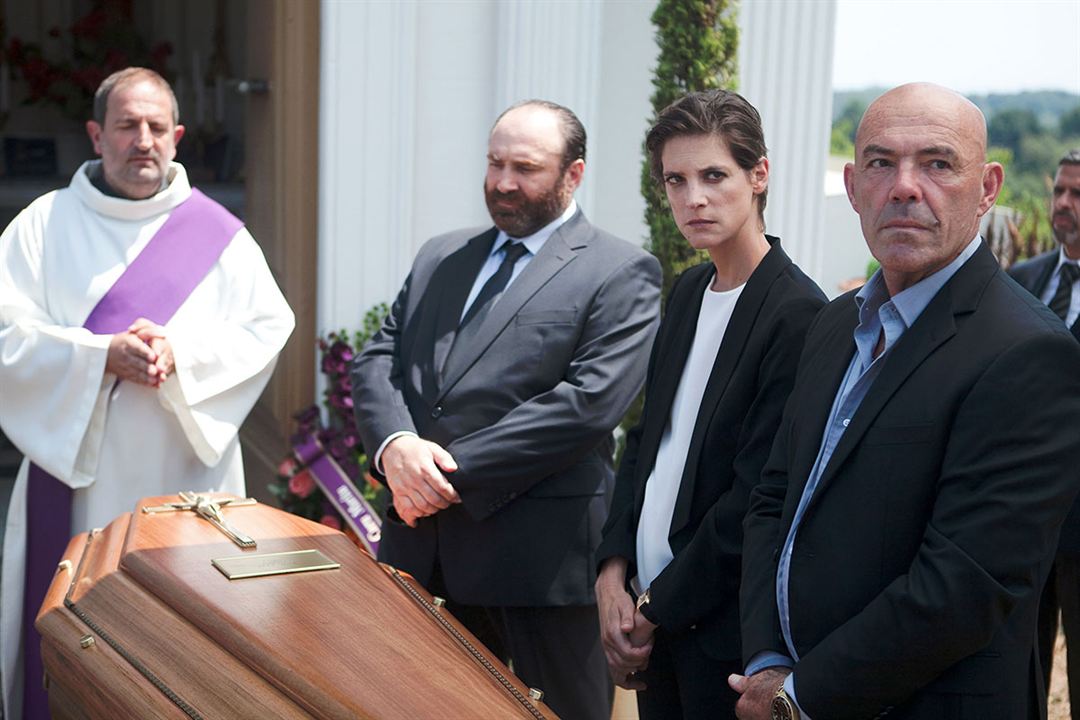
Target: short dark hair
123, 77
1070, 158
711, 112
573, 131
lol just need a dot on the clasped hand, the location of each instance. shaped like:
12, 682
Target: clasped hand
414, 470
756, 692
141, 354
626, 634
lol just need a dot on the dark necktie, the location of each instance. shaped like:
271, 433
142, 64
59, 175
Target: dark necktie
495, 284
1063, 297
485, 300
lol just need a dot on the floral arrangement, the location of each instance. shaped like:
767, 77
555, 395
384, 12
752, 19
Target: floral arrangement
103, 41
294, 487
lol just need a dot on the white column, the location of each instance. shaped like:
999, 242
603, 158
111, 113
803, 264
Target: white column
551, 51
785, 64
628, 59
366, 156
409, 91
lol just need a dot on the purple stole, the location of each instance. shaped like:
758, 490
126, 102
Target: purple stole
153, 286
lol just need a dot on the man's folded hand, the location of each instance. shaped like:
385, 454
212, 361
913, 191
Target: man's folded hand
415, 472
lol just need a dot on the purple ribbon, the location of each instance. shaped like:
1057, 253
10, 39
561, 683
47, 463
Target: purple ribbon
153, 286
340, 491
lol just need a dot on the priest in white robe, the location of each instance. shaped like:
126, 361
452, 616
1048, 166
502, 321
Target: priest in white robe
145, 411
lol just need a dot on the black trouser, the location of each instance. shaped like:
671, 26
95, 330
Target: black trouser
1062, 592
683, 682
554, 649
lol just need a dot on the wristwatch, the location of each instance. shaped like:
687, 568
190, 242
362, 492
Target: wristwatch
783, 708
643, 600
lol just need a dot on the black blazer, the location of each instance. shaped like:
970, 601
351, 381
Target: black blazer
1034, 274
739, 414
917, 568
526, 410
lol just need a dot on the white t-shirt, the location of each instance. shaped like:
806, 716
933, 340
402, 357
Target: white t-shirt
662, 488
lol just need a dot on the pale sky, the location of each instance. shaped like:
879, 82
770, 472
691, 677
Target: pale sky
972, 46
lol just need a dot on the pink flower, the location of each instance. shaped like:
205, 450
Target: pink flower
331, 521
287, 467
301, 484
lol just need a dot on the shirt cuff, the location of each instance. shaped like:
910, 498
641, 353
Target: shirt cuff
767, 659
789, 688
389, 439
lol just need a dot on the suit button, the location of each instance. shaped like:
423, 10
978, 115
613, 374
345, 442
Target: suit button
436, 411
693, 627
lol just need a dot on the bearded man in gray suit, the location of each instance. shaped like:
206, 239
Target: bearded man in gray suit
489, 396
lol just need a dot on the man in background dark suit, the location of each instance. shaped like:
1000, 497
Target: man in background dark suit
489, 397
1052, 277
908, 515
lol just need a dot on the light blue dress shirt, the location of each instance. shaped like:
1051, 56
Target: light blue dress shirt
877, 313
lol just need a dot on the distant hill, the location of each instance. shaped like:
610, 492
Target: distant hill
1048, 105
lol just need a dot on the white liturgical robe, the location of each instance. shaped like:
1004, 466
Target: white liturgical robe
116, 442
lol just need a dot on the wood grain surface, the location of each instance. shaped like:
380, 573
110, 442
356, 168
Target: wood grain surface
346, 643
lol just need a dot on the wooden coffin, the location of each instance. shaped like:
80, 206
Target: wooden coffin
138, 624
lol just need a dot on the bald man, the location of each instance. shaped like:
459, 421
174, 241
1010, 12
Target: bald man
909, 511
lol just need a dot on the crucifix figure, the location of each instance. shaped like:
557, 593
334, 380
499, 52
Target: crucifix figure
209, 509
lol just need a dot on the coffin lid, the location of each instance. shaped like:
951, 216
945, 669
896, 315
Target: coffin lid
361, 641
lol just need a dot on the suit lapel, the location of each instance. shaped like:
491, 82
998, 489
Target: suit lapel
1047, 264
669, 369
1046, 270
745, 314
456, 276
560, 249
820, 374
935, 326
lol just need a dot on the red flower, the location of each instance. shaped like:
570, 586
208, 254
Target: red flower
331, 521
302, 484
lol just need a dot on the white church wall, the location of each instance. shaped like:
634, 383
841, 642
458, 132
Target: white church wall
785, 62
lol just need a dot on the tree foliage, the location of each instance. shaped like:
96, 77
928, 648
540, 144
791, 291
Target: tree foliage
1069, 123
842, 141
698, 42
1007, 128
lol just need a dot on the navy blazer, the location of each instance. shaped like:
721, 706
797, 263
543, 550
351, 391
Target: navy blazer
916, 573
740, 411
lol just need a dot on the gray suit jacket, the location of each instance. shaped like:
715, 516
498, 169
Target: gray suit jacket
527, 411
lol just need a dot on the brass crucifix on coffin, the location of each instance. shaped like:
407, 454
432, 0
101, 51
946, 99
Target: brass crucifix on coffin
209, 509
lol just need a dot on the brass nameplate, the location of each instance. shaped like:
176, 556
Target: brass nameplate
247, 566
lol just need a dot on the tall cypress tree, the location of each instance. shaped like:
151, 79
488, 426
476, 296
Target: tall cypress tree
698, 42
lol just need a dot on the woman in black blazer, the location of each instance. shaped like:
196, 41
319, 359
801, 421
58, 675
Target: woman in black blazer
721, 368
